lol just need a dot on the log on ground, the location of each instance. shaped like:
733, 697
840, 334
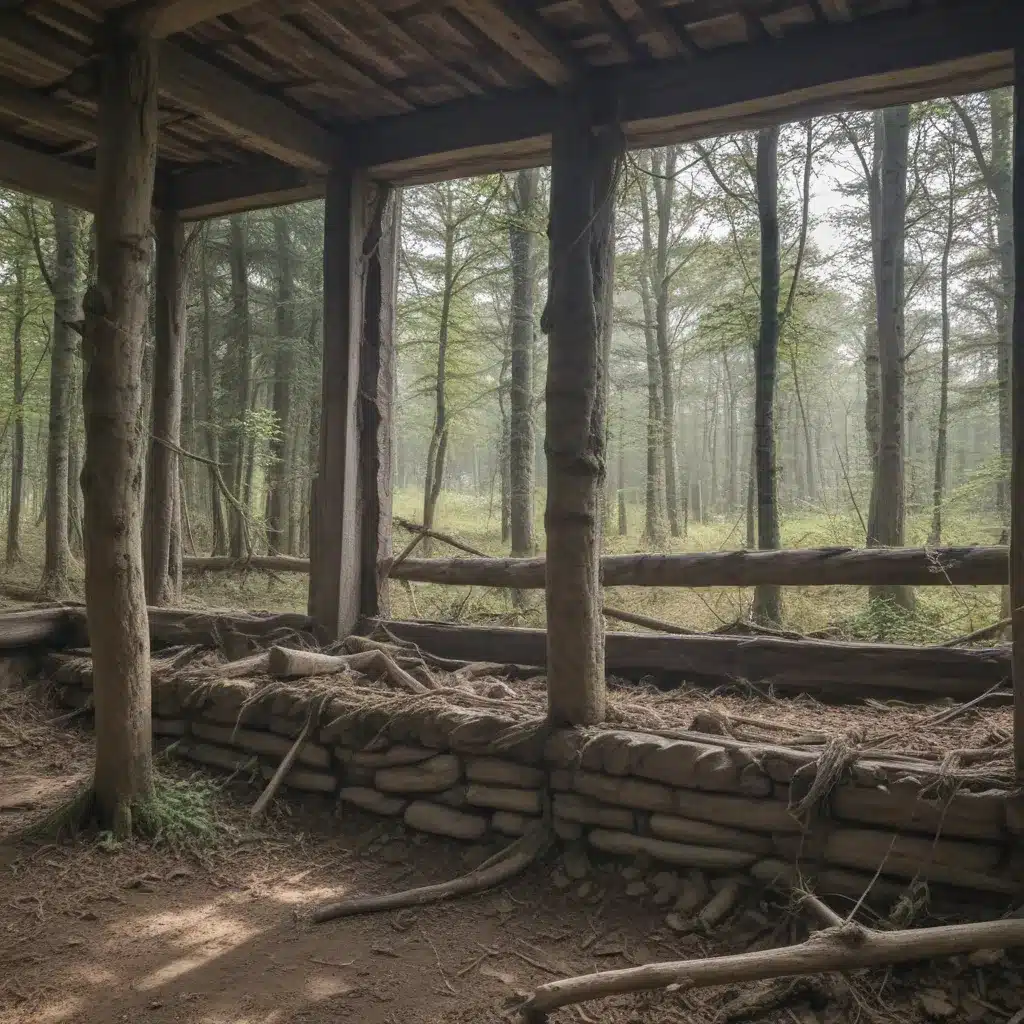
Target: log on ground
830, 669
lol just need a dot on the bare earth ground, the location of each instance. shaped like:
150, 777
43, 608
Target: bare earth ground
91, 934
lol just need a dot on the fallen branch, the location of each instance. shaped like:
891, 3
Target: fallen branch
444, 538
282, 770
286, 663
648, 623
503, 866
842, 947
979, 634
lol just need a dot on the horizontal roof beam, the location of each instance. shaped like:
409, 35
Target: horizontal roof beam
872, 62
162, 18
39, 174
258, 121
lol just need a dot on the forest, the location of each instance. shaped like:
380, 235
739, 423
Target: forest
809, 348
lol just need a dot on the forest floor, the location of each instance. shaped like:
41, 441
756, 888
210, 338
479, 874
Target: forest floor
93, 932
942, 612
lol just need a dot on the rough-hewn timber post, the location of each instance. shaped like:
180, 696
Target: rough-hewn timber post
115, 311
583, 171
1017, 416
350, 514
162, 490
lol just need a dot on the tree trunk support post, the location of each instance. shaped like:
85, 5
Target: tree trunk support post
584, 164
115, 315
350, 512
162, 505
1017, 418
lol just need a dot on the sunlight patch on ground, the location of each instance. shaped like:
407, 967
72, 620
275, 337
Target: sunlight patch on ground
172, 971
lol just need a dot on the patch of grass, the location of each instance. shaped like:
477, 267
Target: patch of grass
180, 813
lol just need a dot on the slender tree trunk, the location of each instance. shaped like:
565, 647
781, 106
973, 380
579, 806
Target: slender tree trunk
240, 368
57, 557
18, 315
664, 191
767, 599
872, 371
888, 495
209, 401
438, 447
280, 471
942, 429
161, 521
521, 450
621, 466
115, 317
732, 432
504, 464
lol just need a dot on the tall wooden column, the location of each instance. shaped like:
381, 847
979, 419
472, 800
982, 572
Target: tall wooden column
581, 235
162, 515
1017, 418
350, 514
115, 314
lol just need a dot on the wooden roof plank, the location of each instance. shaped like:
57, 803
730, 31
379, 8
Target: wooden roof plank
522, 34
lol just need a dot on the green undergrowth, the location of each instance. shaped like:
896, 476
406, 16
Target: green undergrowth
180, 814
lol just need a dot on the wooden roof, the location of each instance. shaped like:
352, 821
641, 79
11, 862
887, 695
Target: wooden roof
257, 99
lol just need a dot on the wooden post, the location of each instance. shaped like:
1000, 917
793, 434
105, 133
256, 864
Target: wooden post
580, 231
115, 314
350, 514
1017, 419
162, 490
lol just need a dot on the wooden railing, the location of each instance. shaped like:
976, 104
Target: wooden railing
811, 567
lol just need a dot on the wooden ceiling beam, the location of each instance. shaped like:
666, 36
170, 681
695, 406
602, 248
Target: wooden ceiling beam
258, 121
40, 174
163, 18
45, 112
823, 67
222, 190
523, 35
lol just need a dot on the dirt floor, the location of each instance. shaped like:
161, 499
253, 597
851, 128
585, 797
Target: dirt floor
93, 933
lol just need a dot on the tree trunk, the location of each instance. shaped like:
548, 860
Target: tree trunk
578, 315
621, 489
239, 365
57, 558
872, 371
161, 520
208, 399
280, 471
767, 599
887, 499
438, 447
664, 192
18, 416
521, 453
115, 318
942, 429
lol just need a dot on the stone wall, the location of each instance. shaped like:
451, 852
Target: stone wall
691, 800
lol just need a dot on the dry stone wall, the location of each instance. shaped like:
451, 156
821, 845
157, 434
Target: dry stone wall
697, 801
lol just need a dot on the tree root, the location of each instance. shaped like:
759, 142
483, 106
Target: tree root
839, 947
501, 867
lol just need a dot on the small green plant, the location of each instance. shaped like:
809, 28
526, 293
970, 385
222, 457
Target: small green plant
180, 813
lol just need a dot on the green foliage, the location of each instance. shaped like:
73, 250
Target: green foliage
179, 814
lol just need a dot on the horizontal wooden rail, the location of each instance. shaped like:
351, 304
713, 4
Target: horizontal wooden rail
832, 670
222, 563
811, 567
65, 626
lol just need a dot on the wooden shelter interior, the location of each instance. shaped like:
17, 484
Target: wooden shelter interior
263, 103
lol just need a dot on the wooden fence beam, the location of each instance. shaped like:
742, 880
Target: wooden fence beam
813, 567
837, 671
